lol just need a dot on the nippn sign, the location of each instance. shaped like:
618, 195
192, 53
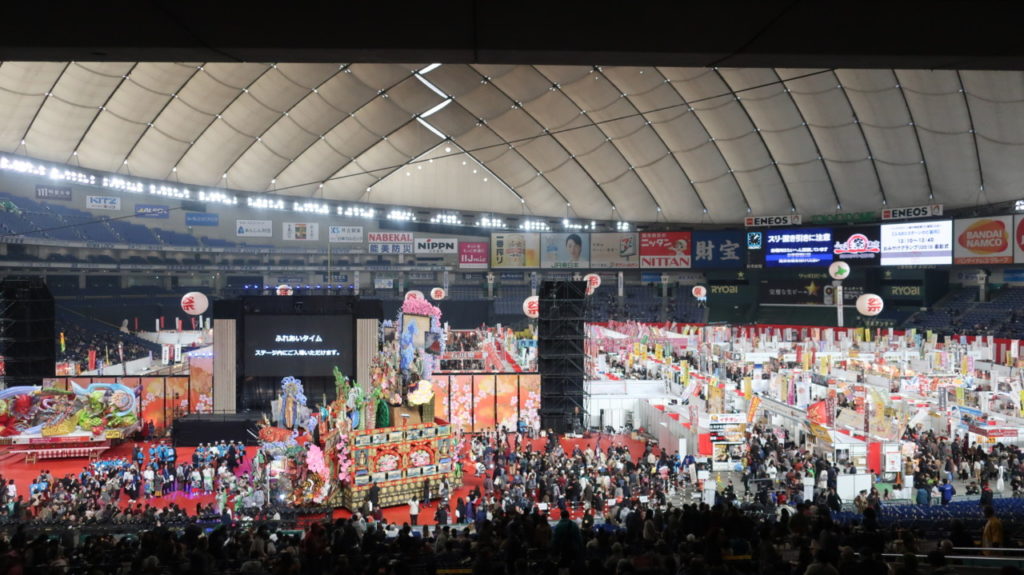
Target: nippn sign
983, 241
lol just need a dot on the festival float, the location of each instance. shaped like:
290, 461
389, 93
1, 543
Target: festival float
37, 415
383, 432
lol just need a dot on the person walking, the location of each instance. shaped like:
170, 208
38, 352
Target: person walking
992, 535
946, 491
414, 511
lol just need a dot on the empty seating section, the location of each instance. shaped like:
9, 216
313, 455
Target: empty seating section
91, 229
133, 233
217, 243
464, 292
961, 312
173, 238
53, 226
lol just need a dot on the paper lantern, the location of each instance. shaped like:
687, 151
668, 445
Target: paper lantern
593, 282
194, 303
531, 307
284, 289
870, 304
438, 294
414, 294
699, 292
839, 270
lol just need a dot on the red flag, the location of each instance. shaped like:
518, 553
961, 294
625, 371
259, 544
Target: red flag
92, 359
136, 324
161, 322
193, 318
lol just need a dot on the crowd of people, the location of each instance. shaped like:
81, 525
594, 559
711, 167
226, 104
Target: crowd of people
594, 507
126, 489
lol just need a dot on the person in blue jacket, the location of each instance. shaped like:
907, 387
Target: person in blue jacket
947, 491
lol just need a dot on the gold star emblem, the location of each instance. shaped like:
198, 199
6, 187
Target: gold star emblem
812, 288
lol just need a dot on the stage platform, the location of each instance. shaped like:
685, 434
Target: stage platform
193, 429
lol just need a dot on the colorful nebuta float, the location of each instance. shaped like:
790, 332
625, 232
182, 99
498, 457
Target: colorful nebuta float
379, 432
100, 411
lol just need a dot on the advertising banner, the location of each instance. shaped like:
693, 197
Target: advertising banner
807, 289
110, 203
345, 234
152, 211
301, 231
254, 228
1018, 239
53, 193
930, 211
662, 250
983, 241
565, 250
615, 250
436, 246
766, 221
917, 243
725, 249
389, 242
202, 219
473, 255
515, 250
799, 247
861, 245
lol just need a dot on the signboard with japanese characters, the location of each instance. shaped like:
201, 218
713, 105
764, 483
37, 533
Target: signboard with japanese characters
389, 242
302, 231
724, 249
798, 247
345, 234
917, 243
664, 250
615, 250
861, 245
983, 241
473, 255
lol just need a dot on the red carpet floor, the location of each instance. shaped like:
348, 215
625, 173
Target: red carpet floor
24, 474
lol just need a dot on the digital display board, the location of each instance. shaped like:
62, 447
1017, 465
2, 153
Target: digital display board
799, 247
917, 243
861, 245
299, 345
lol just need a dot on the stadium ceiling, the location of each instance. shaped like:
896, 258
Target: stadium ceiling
698, 117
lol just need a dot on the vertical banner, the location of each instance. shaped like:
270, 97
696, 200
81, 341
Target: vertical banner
515, 250
755, 402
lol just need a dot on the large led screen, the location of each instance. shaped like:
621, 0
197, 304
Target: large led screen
797, 247
299, 345
917, 243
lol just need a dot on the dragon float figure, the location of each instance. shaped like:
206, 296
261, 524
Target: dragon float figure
32, 410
